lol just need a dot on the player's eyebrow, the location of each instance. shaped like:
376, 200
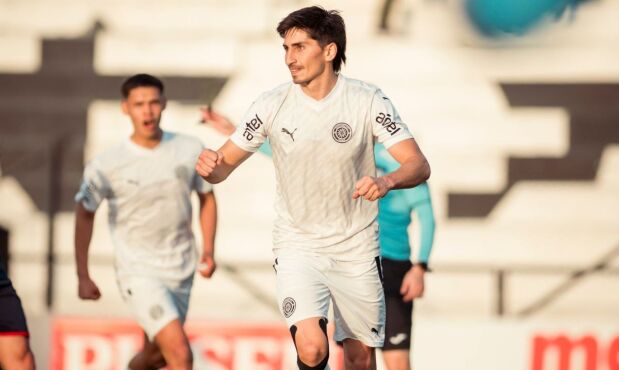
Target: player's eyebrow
294, 44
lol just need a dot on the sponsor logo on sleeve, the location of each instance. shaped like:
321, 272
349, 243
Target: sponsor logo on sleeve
251, 127
388, 124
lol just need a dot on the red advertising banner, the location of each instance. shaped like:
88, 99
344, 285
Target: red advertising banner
109, 344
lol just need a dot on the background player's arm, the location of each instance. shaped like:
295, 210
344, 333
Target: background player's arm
208, 225
414, 169
216, 166
84, 223
413, 284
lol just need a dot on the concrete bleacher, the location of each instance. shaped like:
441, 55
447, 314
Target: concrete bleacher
442, 78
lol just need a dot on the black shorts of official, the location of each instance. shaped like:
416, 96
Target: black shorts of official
12, 318
399, 313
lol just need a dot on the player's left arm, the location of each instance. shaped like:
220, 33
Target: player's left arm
414, 169
208, 226
413, 284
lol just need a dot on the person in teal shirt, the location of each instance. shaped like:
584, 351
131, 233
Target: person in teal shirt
403, 280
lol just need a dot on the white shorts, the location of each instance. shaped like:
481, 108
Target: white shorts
156, 302
307, 283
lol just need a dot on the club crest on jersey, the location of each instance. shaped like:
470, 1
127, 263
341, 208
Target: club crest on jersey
251, 127
341, 132
289, 305
389, 125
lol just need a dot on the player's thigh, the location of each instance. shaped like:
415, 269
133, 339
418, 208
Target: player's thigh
301, 289
358, 355
399, 313
172, 340
358, 301
152, 303
15, 352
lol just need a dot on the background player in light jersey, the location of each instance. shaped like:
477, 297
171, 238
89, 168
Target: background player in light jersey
403, 281
15, 351
322, 129
147, 180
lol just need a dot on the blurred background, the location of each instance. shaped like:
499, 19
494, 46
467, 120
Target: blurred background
514, 102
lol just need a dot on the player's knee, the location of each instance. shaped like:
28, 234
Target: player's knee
312, 353
358, 360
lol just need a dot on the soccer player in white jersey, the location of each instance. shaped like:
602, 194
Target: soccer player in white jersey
147, 180
322, 128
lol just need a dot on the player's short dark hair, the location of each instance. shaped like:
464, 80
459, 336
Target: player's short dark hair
140, 80
324, 26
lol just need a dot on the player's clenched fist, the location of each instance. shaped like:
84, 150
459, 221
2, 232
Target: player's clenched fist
371, 188
208, 161
87, 289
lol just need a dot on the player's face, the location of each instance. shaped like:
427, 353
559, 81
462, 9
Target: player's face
305, 58
144, 106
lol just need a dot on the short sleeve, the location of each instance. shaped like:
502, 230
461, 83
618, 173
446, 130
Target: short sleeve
93, 189
387, 125
252, 131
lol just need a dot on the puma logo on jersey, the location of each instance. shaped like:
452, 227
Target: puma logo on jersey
397, 339
285, 131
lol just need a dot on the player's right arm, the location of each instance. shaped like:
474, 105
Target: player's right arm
93, 189
216, 166
84, 223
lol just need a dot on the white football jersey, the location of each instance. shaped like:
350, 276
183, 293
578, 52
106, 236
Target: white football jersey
149, 199
320, 150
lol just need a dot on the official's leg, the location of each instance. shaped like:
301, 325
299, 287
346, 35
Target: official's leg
396, 349
397, 359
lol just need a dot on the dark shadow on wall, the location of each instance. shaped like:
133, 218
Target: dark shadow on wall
594, 123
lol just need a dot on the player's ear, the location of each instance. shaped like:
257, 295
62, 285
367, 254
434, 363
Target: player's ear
124, 105
164, 102
330, 51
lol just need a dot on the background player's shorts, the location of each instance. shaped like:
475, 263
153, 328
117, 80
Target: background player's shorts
12, 318
399, 313
306, 284
156, 302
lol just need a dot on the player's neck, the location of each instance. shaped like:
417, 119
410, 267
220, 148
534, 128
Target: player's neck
320, 86
147, 142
